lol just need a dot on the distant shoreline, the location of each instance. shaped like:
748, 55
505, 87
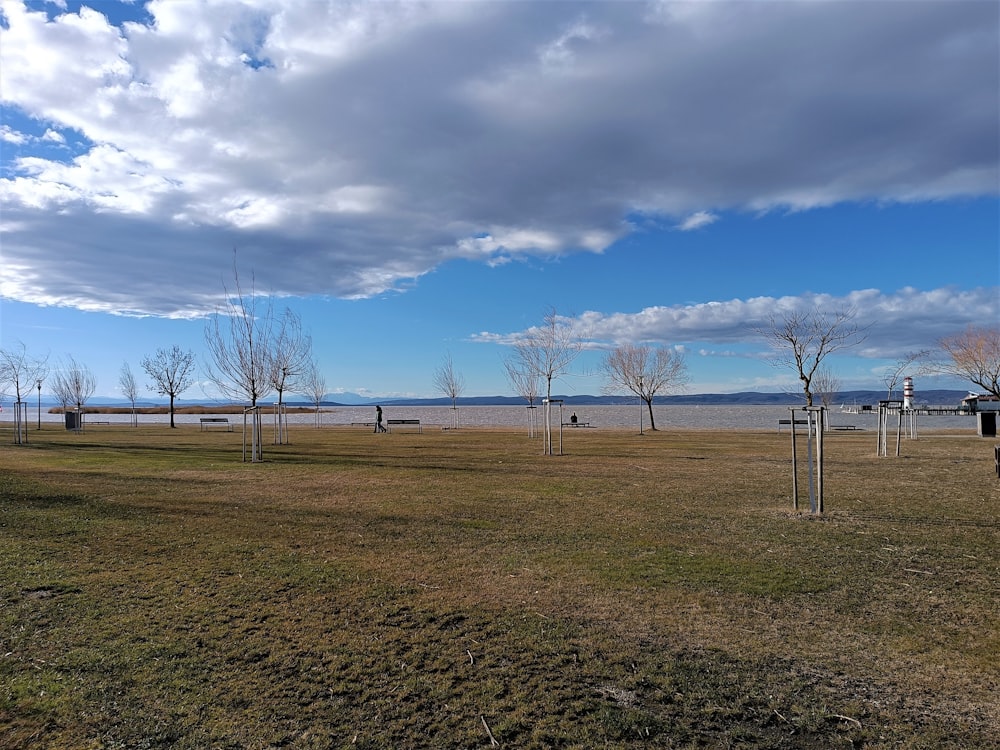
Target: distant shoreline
924, 397
216, 409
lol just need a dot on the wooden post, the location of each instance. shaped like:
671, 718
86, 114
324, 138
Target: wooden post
820, 427
795, 466
256, 450
809, 454
899, 429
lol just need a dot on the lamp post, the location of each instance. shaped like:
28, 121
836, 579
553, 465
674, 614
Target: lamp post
38, 383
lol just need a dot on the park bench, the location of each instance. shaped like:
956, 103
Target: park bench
844, 427
783, 422
207, 422
576, 424
416, 422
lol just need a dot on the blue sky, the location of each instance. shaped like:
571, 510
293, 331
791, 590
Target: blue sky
423, 181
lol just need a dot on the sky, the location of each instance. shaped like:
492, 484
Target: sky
420, 181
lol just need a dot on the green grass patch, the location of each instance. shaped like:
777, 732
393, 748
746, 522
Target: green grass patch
428, 590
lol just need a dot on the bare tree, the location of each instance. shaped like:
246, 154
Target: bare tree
546, 352
313, 385
645, 372
803, 339
290, 354
973, 355
451, 384
172, 372
21, 373
73, 384
826, 385
892, 377
522, 380
130, 389
525, 384
237, 338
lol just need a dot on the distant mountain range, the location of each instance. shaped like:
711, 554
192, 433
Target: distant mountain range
939, 397
747, 398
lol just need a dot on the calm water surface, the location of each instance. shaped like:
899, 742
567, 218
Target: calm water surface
606, 417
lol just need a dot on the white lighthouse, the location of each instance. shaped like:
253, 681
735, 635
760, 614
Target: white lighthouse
907, 393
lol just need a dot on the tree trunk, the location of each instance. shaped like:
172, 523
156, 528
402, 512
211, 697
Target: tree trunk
172, 411
652, 422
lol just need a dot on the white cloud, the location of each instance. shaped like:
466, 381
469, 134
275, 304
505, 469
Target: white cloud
697, 220
347, 149
898, 323
9, 135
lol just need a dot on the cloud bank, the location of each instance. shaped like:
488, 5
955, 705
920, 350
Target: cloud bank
898, 323
348, 148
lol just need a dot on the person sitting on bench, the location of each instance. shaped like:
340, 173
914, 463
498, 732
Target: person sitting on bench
572, 419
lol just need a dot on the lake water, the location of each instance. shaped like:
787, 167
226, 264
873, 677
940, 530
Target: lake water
607, 417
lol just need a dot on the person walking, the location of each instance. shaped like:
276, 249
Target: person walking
379, 427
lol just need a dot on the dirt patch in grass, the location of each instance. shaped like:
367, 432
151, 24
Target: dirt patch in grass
436, 590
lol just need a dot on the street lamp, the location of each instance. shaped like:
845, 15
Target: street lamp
38, 383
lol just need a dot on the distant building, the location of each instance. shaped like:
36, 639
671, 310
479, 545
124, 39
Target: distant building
979, 402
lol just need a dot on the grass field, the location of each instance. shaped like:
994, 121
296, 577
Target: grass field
457, 589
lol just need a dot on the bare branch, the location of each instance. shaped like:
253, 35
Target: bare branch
450, 383
893, 376
826, 385
523, 380
130, 388
547, 351
802, 340
73, 383
289, 354
973, 355
645, 372
237, 339
20, 371
313, 385
172, 373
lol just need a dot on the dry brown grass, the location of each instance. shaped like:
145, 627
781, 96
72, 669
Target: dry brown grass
413, 590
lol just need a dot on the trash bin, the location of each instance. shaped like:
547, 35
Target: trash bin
72, 420
987, 423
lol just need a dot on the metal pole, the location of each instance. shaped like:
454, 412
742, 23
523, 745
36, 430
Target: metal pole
39, 404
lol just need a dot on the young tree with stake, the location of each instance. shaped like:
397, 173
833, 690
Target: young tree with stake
130, 390
546, 352
290, 354
803, 339
451, 384
314, 386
